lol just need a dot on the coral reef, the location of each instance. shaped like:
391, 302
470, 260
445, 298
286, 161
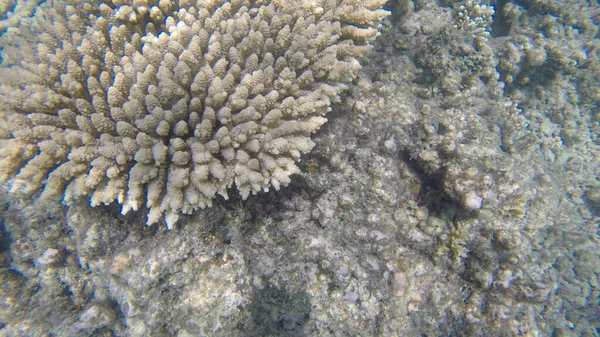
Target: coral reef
167, 104
11, 11
506, 147
453, 192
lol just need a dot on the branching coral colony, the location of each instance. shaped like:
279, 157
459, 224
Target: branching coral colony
169, 103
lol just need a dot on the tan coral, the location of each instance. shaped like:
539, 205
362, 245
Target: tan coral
169, 103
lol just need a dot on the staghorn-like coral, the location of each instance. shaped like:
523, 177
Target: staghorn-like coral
169, 103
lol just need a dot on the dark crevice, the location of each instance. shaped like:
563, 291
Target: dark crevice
500, 27
5, 239
431, 192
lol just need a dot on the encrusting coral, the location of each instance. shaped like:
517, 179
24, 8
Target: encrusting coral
169, 103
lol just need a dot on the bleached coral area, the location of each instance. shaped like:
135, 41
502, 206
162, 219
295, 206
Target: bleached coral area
169, 103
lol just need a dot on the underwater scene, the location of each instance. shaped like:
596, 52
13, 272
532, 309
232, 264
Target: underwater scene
300, 168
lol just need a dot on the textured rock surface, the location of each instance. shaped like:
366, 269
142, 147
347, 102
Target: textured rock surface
167, 104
